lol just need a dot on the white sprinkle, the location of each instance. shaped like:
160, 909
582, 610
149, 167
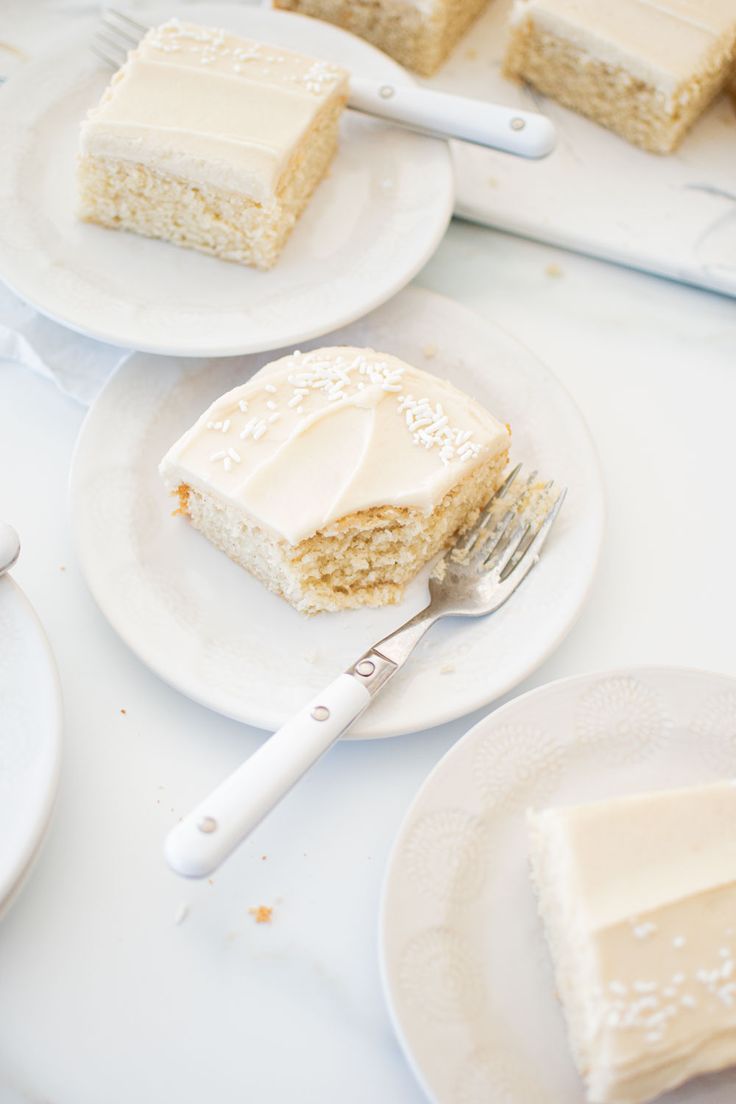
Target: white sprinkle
669, 992
273, 418
227, 463
641, 931
259, 431
218, 456
243, 405
688, 1001
645, 986
294, 401
679, 941
677, 979
271, 405
226, 425
653, 1036
270, 388
617, 987
233, 455
181, 914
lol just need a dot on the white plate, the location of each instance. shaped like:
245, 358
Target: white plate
369, 228
214, 632
598, 194
30, 736
465, 965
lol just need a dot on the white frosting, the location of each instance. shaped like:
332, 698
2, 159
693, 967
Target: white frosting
661, 42
319, 435
211, 108
645, 889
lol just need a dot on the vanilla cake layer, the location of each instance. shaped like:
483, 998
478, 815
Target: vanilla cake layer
334, 476
644, 68
417, 33
638, 899
210, 141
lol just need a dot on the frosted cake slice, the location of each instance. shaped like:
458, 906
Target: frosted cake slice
417, 33
210, 141
646, 69
638, 898
333, 476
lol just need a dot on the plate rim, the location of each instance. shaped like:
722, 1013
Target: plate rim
76, 44
260, 720
12, 886
388, 985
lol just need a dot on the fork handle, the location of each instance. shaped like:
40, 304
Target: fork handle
524, 133
203, 840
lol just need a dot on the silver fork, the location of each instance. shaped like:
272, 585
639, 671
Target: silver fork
523, 133
474, 578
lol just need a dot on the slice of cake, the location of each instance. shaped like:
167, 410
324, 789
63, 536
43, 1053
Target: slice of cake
417, 33
334, 476
644, 68
638, 898
210, 141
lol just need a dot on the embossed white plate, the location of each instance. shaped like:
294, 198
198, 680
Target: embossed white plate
370, 226
214, 632
465, 966
30, 736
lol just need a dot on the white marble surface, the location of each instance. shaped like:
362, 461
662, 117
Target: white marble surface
103, 998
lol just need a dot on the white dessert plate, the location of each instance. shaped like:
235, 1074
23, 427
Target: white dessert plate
596, 193
370, 226
465, 965
207, 627
30, 737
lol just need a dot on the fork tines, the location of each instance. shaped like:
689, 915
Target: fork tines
116, 35
513, 526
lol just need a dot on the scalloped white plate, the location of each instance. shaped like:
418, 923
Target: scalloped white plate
214, 632
370, 226
465, 966
30, 737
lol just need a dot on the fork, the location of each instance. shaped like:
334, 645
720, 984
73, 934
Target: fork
474, 578
439, 114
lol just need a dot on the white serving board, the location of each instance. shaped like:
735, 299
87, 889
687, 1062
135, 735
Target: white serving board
674, 216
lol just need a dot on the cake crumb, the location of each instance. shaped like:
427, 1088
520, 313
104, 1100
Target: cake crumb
262, 914
181, 914
124, 712
448, 669
554, 271
471, 54
429, 351
62, 567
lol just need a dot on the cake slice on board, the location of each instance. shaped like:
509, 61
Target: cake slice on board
646, 69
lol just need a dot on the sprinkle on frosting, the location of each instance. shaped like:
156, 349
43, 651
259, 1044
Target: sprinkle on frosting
209, 45
340, 378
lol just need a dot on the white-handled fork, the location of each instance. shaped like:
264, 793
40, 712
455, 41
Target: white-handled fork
474, 578
523, 133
